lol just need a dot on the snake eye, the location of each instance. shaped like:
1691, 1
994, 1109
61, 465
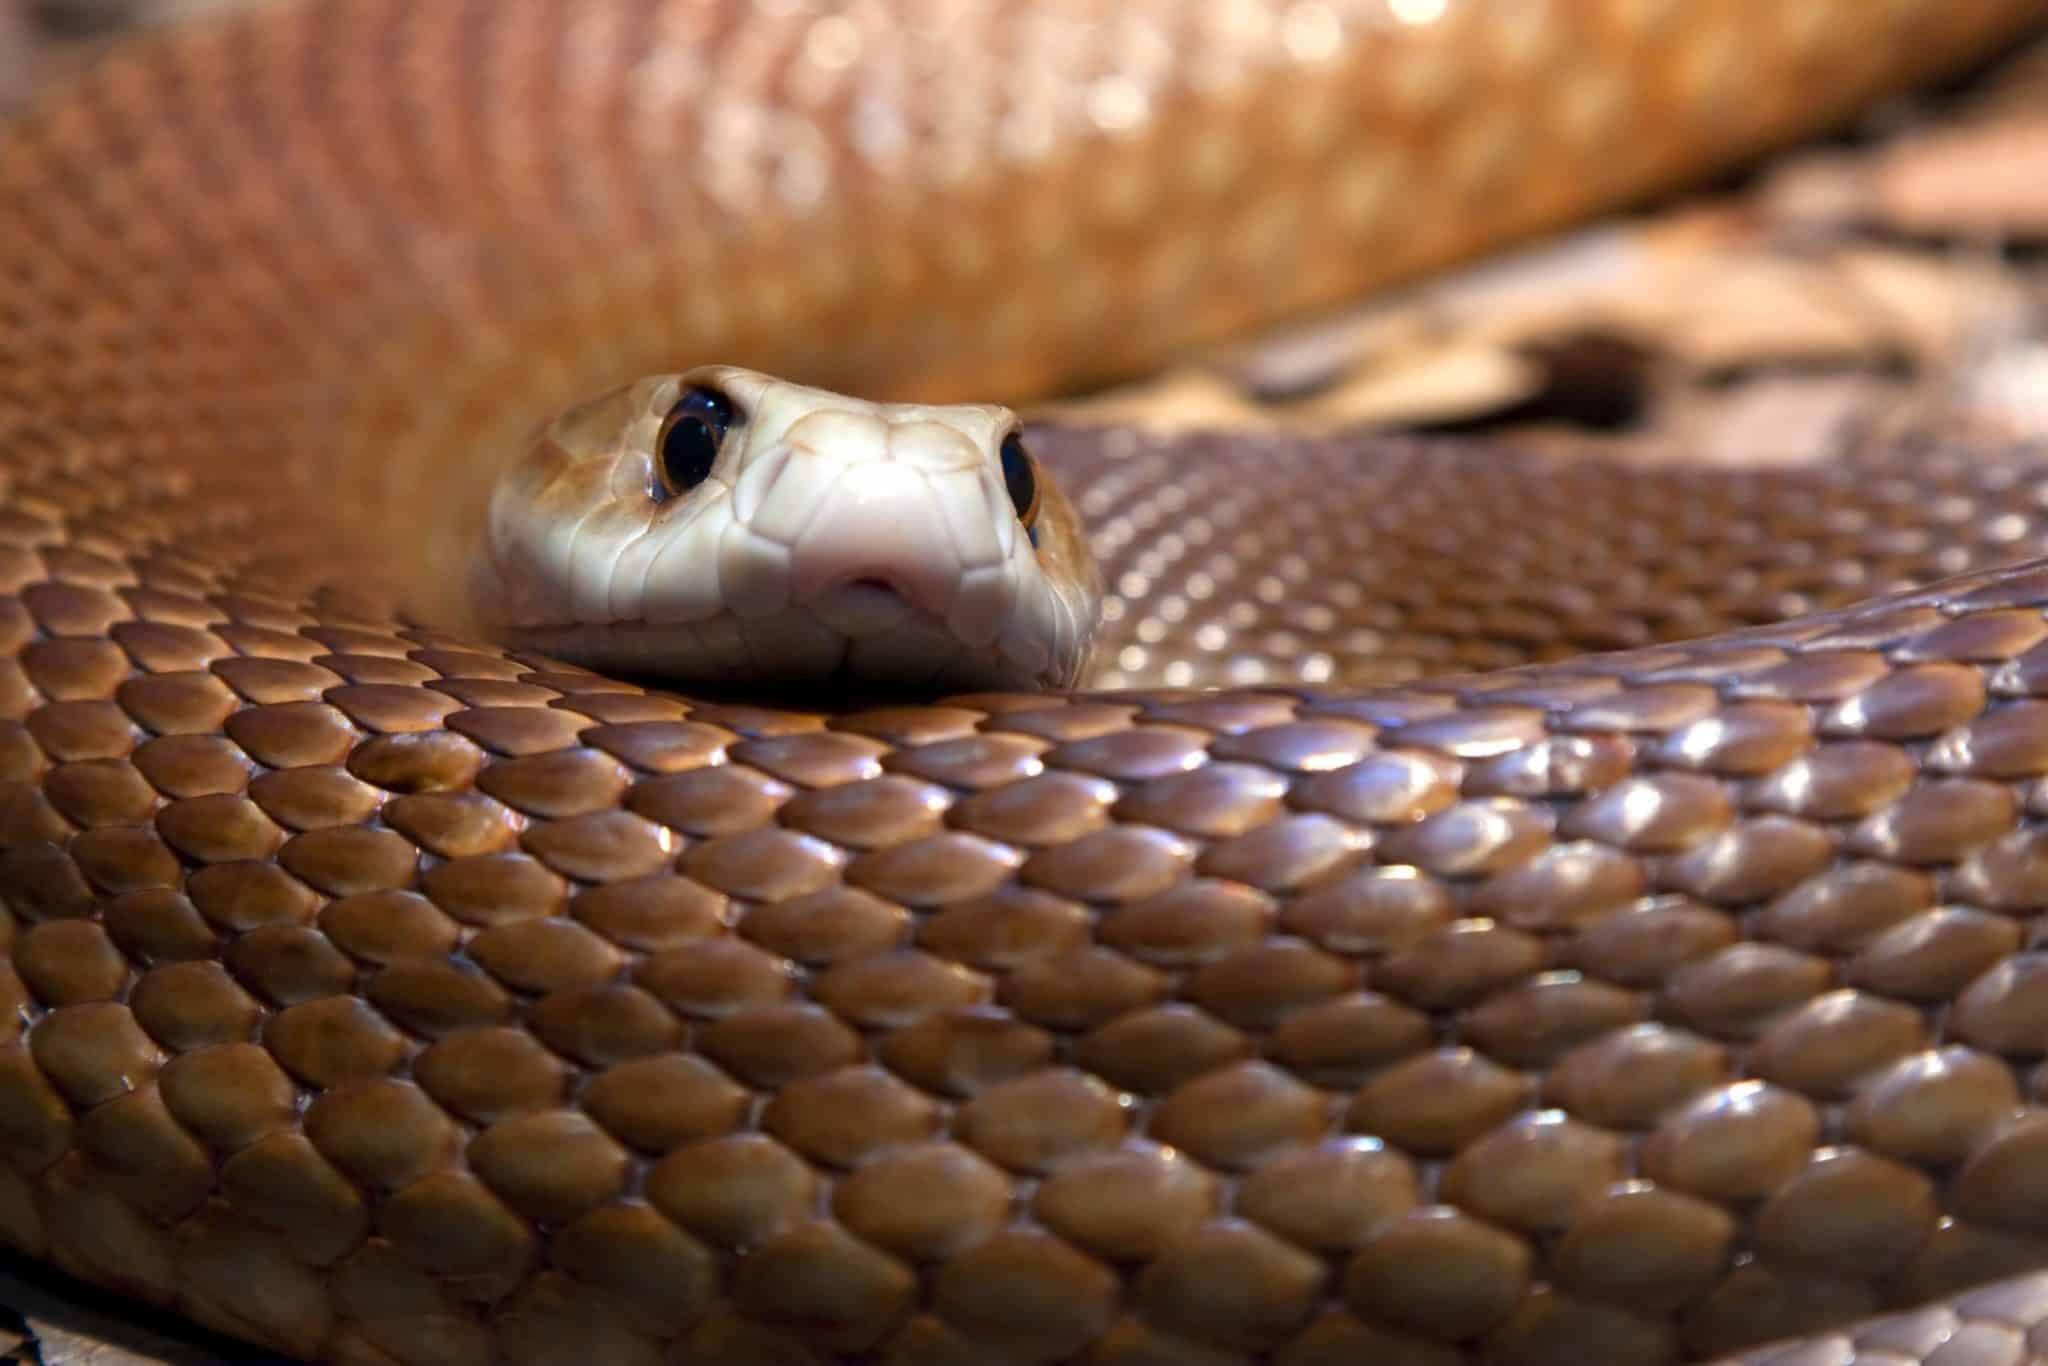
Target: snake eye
691, 436
1020, 477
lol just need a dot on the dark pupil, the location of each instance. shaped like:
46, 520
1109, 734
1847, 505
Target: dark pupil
1018, 475
694, 436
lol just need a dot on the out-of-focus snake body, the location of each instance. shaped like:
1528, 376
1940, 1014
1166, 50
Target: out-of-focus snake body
381, 997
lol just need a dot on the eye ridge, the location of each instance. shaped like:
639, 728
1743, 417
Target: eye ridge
1020, 477
691, 436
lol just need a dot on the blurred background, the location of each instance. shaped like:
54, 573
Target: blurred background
1892, 278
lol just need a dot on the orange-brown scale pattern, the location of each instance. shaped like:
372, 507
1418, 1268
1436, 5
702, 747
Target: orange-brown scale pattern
379, 997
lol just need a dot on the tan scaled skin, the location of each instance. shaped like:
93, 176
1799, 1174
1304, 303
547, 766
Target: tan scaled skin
376, 993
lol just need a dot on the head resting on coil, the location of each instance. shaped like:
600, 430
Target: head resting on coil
724, 527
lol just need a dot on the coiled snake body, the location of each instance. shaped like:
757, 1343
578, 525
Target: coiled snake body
379, 996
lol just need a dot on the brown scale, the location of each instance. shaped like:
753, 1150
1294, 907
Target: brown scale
377, 996
1497, 1014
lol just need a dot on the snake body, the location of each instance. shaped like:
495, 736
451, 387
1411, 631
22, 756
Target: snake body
376, 995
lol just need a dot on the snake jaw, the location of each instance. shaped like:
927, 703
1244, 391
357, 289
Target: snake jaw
832, 537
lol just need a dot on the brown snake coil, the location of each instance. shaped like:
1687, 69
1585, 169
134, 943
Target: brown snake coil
380, 997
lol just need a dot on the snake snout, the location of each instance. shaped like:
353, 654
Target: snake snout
877, 515
884, 535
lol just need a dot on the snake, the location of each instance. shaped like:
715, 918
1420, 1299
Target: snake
1481, 907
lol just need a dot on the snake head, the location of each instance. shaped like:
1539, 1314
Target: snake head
721, 526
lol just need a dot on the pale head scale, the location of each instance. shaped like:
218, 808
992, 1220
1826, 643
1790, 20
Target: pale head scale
723, 526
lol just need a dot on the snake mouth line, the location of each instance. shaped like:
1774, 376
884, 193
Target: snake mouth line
869, 602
